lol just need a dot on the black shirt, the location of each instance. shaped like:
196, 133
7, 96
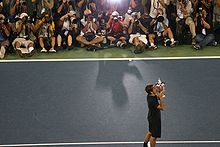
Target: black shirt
154, 113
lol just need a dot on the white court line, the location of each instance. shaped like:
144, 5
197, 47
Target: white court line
111, 59
108, 143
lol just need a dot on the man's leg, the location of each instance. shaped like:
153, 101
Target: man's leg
151, 40
147, 138
153, 141
82, 40
207, 40
53, 42
41, 42
98, 39
70, 40
111, 39
189, 21
59, 40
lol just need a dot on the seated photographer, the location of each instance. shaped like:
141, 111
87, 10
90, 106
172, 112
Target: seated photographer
45, 28
137, 32
184, 12
162, 30
42, 6
4, 36
88, 34
69, 31
116, 34
204, 30
24, 43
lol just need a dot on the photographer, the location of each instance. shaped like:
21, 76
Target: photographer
137, 33
4, 36
162, 30
88, 34
136, 6
69, 31
155, 101
155, 5
24, 43
87, 4
16, 8
184, 12
102, 27
216, 17
45, 28
42, 6
205, 34
116, 34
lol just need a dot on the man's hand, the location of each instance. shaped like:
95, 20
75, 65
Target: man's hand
161, 95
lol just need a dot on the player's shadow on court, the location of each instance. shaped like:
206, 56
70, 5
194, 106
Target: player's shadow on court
111, 76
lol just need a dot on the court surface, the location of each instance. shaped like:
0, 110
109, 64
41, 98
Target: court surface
91, 102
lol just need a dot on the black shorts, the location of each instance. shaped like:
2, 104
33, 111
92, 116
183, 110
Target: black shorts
155, 128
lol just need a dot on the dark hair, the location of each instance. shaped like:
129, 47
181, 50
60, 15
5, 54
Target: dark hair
149, 88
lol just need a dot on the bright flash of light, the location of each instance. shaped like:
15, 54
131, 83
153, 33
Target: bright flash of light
114, 1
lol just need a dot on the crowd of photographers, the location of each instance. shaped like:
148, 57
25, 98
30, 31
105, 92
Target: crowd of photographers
54, 25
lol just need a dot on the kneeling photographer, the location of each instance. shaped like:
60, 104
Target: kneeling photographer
138, 32
116, 34
162, 30
24, 43
70, 29
205, 35
88, 34
45, 28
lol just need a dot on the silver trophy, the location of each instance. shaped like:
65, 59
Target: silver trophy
160, 86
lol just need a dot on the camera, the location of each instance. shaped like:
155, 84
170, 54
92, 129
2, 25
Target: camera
115, 19
160, 18
47, 18
136, 22
89, 16
160, 86
73, 20
23, 2
70, 3
2, 19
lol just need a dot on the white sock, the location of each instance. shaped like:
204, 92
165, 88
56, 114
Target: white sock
151, 44
148, 144
172, 40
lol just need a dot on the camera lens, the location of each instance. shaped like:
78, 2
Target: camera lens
115, 19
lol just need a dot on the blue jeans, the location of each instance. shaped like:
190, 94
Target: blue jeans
204, 40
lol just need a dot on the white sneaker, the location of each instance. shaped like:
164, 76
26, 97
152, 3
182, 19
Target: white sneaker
43, 50
52, 50
118, 43
1, 55
31, 49
173, 44
2, 52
